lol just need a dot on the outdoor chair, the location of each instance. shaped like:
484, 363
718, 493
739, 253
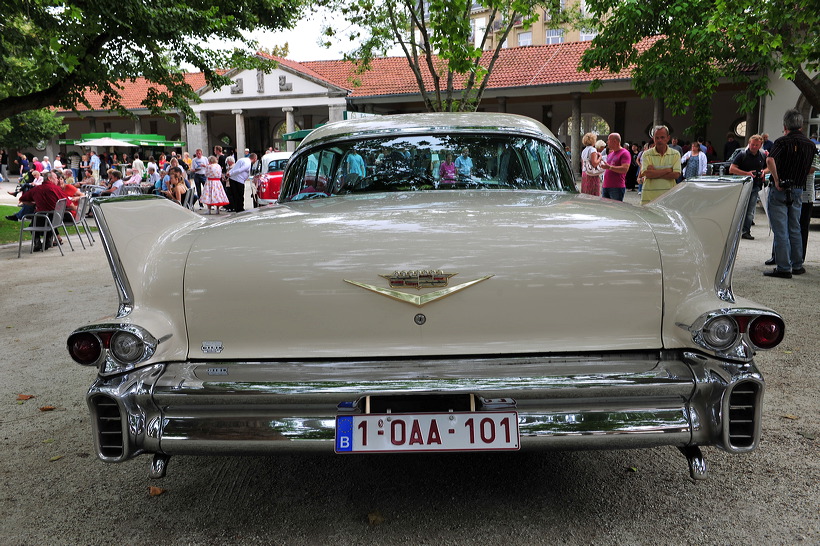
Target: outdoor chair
53, 219
83, 207
190, 199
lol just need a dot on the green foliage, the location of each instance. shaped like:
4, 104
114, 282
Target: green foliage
30, 127
52, 52
680, 49
438, 41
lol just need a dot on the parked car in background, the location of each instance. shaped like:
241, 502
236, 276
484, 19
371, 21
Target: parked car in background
413, 307
718, 168
269, 181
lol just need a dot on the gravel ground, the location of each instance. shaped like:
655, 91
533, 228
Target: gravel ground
54, 490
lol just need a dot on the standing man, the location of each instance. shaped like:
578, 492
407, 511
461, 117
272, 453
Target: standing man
767, 144
94, 163
789, 162
676, 146
237, 176
4, 159
137, 165
617, 163
730, 146
751, 162
464, 164
198, 165
356, 168
660, 166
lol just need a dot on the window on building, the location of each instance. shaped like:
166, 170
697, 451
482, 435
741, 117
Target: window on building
587, 34
525, 38
590, 123
814, 122
555, 36
740, 128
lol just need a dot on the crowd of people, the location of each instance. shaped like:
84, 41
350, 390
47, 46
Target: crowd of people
608, 170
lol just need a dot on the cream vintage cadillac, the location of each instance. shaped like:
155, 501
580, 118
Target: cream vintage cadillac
415, 302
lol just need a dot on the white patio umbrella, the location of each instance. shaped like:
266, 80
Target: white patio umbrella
106, 141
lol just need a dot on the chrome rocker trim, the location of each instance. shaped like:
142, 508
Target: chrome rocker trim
681, 399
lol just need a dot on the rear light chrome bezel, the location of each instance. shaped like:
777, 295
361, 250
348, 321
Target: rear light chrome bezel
741, 346
108, 362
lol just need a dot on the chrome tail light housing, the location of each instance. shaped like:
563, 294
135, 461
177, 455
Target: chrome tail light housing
737, 333
113, 348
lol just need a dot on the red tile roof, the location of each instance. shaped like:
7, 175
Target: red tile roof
527, 66
516, 67
133, 93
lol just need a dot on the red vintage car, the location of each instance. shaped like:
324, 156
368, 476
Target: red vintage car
269, 181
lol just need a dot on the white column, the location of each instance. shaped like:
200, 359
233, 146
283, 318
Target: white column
336, 112
137, 125
183, 132
289, 127
240, 133
203, 134
575, 135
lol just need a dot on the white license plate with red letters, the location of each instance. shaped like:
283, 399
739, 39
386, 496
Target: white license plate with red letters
409, 432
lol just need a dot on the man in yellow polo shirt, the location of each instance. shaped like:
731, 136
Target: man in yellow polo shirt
660, 166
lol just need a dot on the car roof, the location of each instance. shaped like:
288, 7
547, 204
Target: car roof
421, 123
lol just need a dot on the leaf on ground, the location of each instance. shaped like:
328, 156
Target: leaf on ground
790, 416
55, 458
49, 441
48, 408
25, 396
787, 352
807, 435
633, 468
155, 491
375, 518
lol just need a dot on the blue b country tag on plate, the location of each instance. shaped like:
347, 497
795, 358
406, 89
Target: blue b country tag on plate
344, 433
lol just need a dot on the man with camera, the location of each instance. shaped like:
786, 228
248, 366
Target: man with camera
751, 162
789, 162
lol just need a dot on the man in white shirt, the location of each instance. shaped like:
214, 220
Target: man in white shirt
237, 176
137, 165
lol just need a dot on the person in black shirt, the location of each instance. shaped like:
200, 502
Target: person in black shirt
789, 162
751, 162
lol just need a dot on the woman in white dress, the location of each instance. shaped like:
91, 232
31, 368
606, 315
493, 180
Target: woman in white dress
213, 194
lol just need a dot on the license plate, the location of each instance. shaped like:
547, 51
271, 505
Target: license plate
407, 432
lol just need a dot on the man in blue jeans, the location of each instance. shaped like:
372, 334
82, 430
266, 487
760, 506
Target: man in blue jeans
789, 162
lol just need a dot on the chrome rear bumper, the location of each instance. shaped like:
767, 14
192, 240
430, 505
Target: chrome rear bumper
590, 402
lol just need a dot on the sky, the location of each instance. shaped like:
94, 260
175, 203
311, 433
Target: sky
303, 39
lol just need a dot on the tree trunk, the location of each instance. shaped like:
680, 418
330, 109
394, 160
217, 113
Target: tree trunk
809, 88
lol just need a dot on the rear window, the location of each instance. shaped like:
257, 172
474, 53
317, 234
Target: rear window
425, 163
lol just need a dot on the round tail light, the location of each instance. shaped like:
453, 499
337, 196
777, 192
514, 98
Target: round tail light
766, 332
126, 347
720, 332
85, 348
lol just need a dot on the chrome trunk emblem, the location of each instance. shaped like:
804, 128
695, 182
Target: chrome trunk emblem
418, 280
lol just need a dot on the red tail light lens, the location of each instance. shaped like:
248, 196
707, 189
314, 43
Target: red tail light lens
766, 332
84, 348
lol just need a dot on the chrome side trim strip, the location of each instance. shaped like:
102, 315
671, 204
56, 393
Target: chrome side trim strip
723, 282
124, 292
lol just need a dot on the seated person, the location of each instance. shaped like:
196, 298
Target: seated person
68, 175
132, 177
115, 184
176, 185
153, 176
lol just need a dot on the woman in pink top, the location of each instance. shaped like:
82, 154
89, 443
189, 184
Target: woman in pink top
447, 170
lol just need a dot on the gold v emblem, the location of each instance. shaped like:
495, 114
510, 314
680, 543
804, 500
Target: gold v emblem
415, 299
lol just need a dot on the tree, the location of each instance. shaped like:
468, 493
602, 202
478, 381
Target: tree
30, 128
52, 53
442, 47
679, 50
